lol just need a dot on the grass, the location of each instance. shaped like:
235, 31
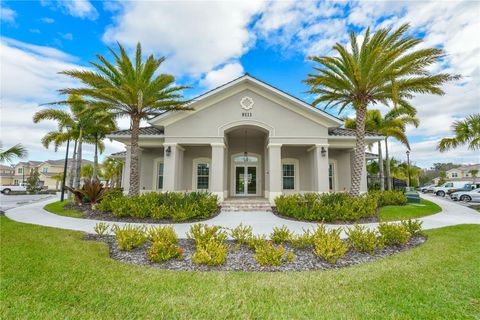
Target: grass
58, 208
475, 207
409, 211
51, 273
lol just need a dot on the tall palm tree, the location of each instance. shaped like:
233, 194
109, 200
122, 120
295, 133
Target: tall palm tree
466, 131
385, 69
393, 124
131, 89
16, 151
111, 171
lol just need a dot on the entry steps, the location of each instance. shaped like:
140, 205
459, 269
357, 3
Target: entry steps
246, 204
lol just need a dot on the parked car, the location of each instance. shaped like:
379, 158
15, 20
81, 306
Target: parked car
442, 190
7, 189
467, 196
467, 187
427, 188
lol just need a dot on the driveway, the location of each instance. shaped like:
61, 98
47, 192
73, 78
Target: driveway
261, 222
13, 201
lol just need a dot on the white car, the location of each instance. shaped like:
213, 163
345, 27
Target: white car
442, 190
8, 189
429, 188
467, 196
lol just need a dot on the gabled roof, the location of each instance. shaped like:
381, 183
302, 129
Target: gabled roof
248, 78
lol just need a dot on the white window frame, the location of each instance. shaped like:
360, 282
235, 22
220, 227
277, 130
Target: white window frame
335, 175
156, 162
195, 164
296, 171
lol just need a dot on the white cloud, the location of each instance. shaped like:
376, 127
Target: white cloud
222, 75
7, 14
77, 8
67, 36
195, 36
47, 20
38, 68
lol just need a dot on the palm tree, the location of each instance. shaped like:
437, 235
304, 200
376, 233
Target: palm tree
111, 171
384, 69
16, 151
393, 124
466, 131
130, 89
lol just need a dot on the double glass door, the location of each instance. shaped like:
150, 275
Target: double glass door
245, 180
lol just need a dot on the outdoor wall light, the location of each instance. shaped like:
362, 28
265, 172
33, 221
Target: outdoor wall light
323, 151
168, 151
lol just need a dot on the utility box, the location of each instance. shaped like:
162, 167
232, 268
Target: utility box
412, 196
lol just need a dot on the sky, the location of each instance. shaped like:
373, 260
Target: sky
208, 43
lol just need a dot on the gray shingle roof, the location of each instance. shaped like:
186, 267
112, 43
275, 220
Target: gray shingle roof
342, 132
121, 154
145, 131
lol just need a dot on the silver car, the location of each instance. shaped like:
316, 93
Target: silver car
467, 196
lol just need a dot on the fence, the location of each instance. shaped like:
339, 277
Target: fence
373, 183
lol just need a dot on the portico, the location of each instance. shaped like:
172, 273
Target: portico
245, 139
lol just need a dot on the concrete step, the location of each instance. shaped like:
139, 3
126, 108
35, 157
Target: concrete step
246, 204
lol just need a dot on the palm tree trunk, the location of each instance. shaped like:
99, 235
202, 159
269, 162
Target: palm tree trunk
78, 175
387, 166
380, 166
359, 155
134, 188
95, 160
72, 164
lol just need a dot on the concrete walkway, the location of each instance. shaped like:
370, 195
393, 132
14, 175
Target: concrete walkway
261, 222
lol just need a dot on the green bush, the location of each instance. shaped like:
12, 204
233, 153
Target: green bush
389, 198
211, 253
328, 245
280, 235
170, 205
105, 204
414, 227
303, 240
202, 234
326, 207
269, 255
256, 240
129, 236
164, 244
392, 234
362, 239
101, 228
241, 234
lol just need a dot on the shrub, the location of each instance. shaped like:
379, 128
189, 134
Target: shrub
203, 234
303, 240
269, 255
414, 227
280, 235
211, 253
256, 240
389, 198
241, 234
129, 237
105, 204
101, 228
328, 245
160, 212
164, 244
362, 239
393, 234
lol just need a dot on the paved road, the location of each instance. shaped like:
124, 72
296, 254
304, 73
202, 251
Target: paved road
261, 222
13, 201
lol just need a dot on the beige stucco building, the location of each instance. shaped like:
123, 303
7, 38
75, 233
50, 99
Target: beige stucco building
245, 138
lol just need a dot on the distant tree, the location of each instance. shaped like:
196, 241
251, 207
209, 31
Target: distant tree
112, 168
33, 181
441, 166
17, 151
58, 178
474, 173
443, 177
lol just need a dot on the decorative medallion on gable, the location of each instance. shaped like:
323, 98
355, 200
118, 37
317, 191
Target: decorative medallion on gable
246, 103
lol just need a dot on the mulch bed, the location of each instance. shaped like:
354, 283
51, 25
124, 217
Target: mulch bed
371, 219
243, 259
88, 213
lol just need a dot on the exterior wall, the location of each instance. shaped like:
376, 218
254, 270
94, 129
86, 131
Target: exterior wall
305, 167
342, 174
191, 153
146, 167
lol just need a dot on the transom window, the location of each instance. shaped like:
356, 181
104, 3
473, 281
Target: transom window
288, 172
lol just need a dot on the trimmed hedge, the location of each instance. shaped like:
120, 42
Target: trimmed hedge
169, 205
335, 206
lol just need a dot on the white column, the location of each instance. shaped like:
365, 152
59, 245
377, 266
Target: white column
126, 171
170, 166
320, 167
217, 170
274, 171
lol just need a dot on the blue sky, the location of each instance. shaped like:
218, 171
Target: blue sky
209, 43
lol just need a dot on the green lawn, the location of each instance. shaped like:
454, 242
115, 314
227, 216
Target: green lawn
58, 208
409, 211
52, 274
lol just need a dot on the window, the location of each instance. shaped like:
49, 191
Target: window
331, 170
20, 170
45, 170
201, 174
160, 176
454, 175
288, 173
157, 181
